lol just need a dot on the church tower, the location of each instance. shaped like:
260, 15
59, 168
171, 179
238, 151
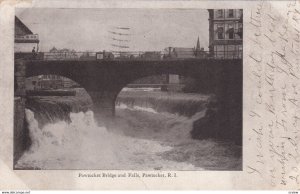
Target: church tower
198, 45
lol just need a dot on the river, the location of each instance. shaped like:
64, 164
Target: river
151, 131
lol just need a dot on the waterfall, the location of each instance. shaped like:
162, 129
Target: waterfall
147, 134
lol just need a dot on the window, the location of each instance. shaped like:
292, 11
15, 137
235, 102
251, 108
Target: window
220, 32
240, 51
241, 12
220, 13
219, 51
240, 30
231, 51
230, 13
230, 31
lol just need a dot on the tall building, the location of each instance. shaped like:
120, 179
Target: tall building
226, 33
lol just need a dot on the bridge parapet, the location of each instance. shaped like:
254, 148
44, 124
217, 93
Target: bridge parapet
123, 56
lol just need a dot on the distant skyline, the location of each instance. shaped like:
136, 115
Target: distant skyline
96, 29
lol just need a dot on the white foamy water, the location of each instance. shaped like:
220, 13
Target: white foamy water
140, 138
81, 144
145, 89
134, 107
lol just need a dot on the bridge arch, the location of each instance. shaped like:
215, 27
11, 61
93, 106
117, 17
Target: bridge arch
151, 86
69, 95
39, 71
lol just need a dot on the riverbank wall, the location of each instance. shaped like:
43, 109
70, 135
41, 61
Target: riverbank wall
20, 132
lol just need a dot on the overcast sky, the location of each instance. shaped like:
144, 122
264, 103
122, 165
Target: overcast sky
90, 29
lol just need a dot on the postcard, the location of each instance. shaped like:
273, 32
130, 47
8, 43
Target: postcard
201, 95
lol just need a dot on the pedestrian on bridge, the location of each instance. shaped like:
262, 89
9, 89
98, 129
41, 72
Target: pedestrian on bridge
33, 53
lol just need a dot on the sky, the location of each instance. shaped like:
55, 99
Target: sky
91, 29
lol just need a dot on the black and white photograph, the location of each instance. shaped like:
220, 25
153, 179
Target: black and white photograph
146, 89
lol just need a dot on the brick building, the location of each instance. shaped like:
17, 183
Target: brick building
226, 33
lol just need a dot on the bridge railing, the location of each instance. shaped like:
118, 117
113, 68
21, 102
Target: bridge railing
128, 55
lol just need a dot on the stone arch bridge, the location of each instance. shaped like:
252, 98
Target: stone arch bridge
104, 79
